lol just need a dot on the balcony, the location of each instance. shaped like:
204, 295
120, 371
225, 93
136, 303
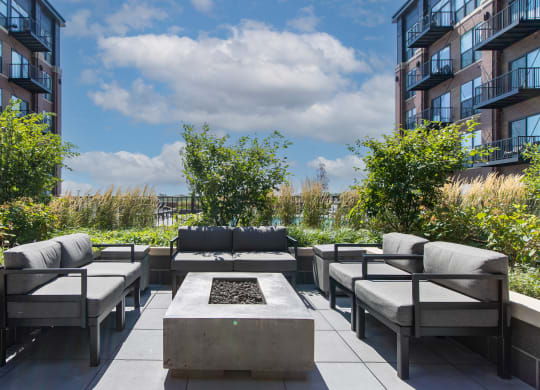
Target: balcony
30, 34
510, 88
430, 28
432, 73
515, 22
29, 77
437, 114
505, 151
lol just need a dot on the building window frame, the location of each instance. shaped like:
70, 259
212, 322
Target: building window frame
469, 56
466, 104
526, 123
410, 119
466, 7
411, 74
439, 111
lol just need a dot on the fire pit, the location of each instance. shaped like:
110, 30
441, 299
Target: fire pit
248, 322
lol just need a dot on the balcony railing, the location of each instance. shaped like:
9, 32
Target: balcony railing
505, 151
430, 28
510, 88
467, 108
30, 33
28, 77
437, 114
431, 73
520, 19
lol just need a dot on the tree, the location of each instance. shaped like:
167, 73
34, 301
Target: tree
405, 173
29, 155
233, 182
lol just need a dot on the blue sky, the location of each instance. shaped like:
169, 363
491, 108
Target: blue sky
134, 71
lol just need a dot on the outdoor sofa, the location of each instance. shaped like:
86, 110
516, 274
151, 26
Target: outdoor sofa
228, 249
344, 272
58, 283
462, 291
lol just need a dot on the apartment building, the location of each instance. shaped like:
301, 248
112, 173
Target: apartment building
472, 59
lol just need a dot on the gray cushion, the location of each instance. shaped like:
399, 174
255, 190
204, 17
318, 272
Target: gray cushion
446, 257
264, 262
205, 238
76, 250
404, 244
326, 252
345, 273
203, 262
264, 238
121, 253
128, 271
101, 293
393, 299
44, 254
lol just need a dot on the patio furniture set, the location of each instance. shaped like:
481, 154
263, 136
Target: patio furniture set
415, 287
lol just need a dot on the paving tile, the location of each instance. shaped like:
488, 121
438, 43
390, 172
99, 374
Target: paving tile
337, 376
160, 301
329, 347
145, 298
383, 349
315, 299
132, 316
423, 377
143, 375
452, 351
142, 345
234, 384
151, 319
486, 375
320, 322
49, 374
159, 288
338, 320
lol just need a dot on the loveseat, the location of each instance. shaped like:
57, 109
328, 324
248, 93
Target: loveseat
227, 249
58, 283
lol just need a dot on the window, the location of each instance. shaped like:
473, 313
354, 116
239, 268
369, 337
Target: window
3, 12
472, 140
47, 82
441, 62
22, 106
464, 7
19, 65
440, 109
526, 127
18, 14
441, 13
468, 91
525, 70
411, 79
468, 55
48, 120
1, 62
410, 120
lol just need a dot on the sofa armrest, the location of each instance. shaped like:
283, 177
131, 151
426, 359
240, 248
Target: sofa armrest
349, 245
118, 246
294, 242
171, 243
367, 258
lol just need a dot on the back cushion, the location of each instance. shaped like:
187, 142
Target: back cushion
446, 257
38, 255
205, 238
264, 238
404, 244
76, 250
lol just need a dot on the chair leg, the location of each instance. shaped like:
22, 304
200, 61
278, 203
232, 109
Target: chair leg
121, 315
3, 346
353, 312
403, 344
332, 293
137, 294
94, 344
360, 322
504, 354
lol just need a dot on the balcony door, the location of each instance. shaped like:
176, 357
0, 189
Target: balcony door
19, 66
440, 108
18, 15
441, 14
525, 70
440, 61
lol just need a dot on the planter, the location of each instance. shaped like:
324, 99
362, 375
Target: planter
160, 265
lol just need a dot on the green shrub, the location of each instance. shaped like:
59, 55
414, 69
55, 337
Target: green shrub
26, 221
155, 236
525, 280
286, 206
315, 203
309, 237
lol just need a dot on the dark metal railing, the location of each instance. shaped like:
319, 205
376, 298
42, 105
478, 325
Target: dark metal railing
434, 19
466, 9
437, 114
27, 71
504, 149
410, 123
520, 78
467, 108
431, 68
517, 11
21, 24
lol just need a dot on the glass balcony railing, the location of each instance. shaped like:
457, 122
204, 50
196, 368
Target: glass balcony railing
31, 34
430, 28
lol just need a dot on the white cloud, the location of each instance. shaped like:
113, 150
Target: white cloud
306, 20
205, 6
341, 171
255, 79
80, 26
131, 169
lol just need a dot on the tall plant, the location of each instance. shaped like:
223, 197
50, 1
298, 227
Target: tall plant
286, 206
316, 203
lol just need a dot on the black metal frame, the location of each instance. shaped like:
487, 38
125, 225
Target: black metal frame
177, 275
404, 333
132, 246
83, 321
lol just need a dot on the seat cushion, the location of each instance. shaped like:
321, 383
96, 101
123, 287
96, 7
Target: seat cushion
205, 238
124, 252
393, 299
76, 250
102, 292
404, 244
37, 255
203, 262
128, 271
345, 273
264, 262
326, 252
446, 257
263, 238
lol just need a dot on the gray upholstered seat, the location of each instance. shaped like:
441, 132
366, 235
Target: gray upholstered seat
102, 293
128, 271
404, 244
264, 262
393, 299
345, 273
203, 262
76, 250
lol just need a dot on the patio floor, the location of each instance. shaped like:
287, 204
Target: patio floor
132, 359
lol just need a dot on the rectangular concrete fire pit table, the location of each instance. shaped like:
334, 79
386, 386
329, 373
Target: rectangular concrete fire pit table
273, 339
